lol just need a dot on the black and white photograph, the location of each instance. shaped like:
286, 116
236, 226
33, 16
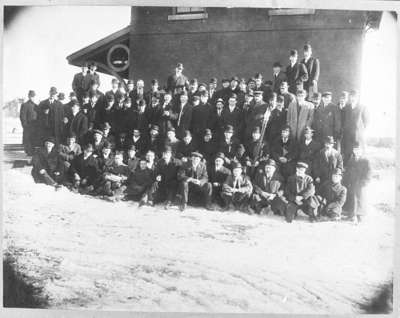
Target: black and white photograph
189, 159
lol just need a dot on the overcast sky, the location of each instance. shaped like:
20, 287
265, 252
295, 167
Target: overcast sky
39, 39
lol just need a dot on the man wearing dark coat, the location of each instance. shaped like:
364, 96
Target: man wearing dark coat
105, 113
313, 70
268, 189
326, 161
296, 73
332, 196
308, 149
139, 183
58, 121
201, 116
165, 185
208, 146
217, 124
177, 79
217, 175
182, 115
354, 125
193, 179
47, 164
78, 82
224, 91
278, 77
356, 177
77, 124
327, 121
28, 117
45, 127
137, 94
300, 192
154, 141
276, 121
254, 116
233, 115
284, 151
186, 147
228, 145
212, 89
237, 189
166, 109
288, 97
142, 119
139, 141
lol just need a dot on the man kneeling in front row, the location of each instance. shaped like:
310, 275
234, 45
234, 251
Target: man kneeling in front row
300, 192
268, 192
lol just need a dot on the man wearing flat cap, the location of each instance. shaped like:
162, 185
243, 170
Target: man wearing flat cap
327, 119
47, 164
296, 72
312, 66
228, 145
236, 190
268, 189
278, 76
326, 161
217, 175
300, 192
177, 79
193, 181
332, 196
28, 118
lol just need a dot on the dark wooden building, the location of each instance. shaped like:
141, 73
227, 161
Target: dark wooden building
222, 42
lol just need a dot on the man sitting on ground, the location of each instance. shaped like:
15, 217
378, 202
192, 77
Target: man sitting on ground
139, 183
217, 177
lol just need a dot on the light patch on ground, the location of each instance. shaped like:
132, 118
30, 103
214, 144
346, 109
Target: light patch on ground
101, 255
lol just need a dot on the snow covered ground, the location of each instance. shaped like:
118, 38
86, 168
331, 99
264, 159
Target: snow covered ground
88, 253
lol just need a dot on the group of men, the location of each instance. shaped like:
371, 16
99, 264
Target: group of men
255, 146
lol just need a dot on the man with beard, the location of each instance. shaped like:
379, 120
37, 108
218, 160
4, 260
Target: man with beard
193, 179
165, 186
268, 189
296, 73
217, 175
28, 118
300, 192
47, 165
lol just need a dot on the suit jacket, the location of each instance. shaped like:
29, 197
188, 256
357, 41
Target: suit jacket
208, 150
51, 162
78, 124
333, 194
218, 176
323, 165
298, 122
27, 114
312, 67
299, 186
327, 121
86, 168
296, 73
275, 124
168, 171
262, 184
354, 125
277, 81
78, 85
173, 81
228, 149
140, 144
307, 153
244, 184
200, 118
187, 171
234, 118
182, 119
56, 117
288, 150
185, 150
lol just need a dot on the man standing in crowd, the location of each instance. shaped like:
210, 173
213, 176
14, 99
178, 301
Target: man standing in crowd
312, 66
296, 72
177, 79
77, 123
212, 89
78, 83
300, 115
327, 121
356, 178
201, 116
278, 77
182, 115
193, 179
308, 149
354, 125
28, 117
288, 97
233, 116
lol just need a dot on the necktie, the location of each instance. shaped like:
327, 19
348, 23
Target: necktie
180, 115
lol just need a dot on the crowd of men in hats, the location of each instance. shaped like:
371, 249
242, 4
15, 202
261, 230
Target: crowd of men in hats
251, 145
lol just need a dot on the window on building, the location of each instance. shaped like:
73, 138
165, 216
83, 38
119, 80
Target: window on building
290, 11
188, 13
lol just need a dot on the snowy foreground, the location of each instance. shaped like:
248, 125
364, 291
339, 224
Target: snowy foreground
88, 253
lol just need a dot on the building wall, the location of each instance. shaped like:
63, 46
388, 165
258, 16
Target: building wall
243, 41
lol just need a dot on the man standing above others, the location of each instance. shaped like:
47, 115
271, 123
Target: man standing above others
268, 189
47, 165
300, 114
300, 192
327, 119
177, 79
287, 96
278, 77
332, 196
165, 186
193, 179
354, 125
78, 85
356, 178
236, 190
77, 123
296, 72
312, 66
326, 161
28, 117
217, 175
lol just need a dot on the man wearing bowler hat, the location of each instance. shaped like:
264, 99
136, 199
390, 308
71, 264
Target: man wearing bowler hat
78, 85
193, 180
268, 189
326, 161
28, 117
332, 196
300, 192
236, 190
